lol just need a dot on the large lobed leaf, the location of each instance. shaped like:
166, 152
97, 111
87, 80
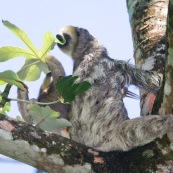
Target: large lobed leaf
48, 44
22, 35
9, 52
35, 59
46, 118
69, 89
32, 69
11, 78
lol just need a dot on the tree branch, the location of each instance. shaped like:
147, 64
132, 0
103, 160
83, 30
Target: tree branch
43, 150
53, 153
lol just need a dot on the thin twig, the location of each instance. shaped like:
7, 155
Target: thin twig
34, 101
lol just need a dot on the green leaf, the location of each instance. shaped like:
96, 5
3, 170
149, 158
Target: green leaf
74, 90
48, 44
9, 52
11, 78
69, 89
6, 108
35, 59
32, 69
22, 35
2, 82
84, 86
65, 82
46, 118
60, 42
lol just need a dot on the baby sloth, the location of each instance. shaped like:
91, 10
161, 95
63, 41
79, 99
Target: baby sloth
99, 118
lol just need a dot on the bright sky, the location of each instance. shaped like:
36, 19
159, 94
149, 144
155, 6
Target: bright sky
106, 20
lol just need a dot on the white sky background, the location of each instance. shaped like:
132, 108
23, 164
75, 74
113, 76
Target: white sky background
106, 20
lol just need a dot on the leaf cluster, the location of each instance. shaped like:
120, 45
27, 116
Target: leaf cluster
35, 63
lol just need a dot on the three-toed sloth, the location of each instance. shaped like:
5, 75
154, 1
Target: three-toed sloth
98, 116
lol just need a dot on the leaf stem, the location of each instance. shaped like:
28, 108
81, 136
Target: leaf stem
34, 101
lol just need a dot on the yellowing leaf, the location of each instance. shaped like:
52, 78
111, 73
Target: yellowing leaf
48, 44
2, 82
35, 59
22, 35
32, 69
11, 78
9, 52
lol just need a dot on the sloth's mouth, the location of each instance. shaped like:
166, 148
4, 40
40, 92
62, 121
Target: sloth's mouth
63, 40
60, 37
60, 40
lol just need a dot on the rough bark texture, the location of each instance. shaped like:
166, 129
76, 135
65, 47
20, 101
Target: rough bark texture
52, 153
167, 105
42, 150
148, 23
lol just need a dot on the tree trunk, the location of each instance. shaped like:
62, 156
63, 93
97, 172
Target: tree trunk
148, 24
52, 153
167, 104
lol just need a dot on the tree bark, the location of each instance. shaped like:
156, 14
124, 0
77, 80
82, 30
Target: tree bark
167, 104
53, 153
43, 150
148, 24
